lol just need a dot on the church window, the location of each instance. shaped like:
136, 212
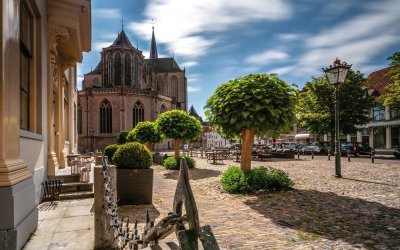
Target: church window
79, 119
174, 87
109, 71
105, 117
163, 108
128, 70
136, 71
160, 86
138, 113
117, 70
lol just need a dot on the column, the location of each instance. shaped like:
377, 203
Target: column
388, 137
359, 136
348, 137
371, 137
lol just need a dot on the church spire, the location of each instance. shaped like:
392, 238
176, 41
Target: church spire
153, 49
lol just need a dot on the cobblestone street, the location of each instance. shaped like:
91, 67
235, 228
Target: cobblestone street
362, 210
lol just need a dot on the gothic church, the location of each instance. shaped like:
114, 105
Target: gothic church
124, 89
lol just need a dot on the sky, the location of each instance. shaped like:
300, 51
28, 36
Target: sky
220, 40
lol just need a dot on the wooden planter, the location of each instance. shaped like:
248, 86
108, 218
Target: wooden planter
134, 186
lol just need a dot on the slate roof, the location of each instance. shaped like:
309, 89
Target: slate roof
378, 81
122, 40
193, 112
164, 65
153, 48
97, 70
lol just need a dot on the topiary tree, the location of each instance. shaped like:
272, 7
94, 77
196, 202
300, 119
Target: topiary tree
145, 132
250, 105
121, 137
132, 155
178, 125
110, 150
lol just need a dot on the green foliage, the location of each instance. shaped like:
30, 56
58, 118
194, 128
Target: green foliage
177, 124
234, 180
316, 105
110, 150
262, 102
121, 137
174, 164
392, 96
145, 132
132, 155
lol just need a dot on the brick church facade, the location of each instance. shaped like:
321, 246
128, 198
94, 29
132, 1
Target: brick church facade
124, 89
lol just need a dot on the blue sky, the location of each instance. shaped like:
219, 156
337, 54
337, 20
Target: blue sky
219, 40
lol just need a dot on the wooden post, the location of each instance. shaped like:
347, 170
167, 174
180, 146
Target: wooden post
348, 154
329, 154
312, 155
103, 234
248, 140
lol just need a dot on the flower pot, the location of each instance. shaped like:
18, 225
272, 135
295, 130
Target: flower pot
134, 186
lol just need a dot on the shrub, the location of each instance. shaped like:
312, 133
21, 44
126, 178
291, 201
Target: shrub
110, 150
145, 132
174, 164
121, 137
235, 180
132, 155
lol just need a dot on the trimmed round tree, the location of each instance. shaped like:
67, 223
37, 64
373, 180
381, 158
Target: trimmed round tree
146, 133
250, 105
179, 126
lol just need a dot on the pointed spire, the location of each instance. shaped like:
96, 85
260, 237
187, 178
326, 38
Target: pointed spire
153, 49
122, 22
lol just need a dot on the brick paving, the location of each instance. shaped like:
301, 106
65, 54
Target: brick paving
362, 210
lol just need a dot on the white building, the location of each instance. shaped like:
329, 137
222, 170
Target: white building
215, 140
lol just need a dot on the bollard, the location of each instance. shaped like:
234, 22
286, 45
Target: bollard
348, 154
329, 154
312, 155
298, 154
373, 156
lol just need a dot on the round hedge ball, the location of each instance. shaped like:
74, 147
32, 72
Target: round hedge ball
133, 155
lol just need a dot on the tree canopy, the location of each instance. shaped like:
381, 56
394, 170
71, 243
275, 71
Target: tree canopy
249, 105
393, 91
316, 105
145, 132
180, 126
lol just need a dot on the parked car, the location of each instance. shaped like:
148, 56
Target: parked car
396, 153
300, 148
288, 146
317, 147
356, 148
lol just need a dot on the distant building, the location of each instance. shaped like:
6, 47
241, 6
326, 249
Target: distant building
124, 89
384, 130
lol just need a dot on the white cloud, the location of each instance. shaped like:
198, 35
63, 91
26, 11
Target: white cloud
266, 57
282, 70
79, 75
289, 37
179, 23
189, 64
192, 89
107, 13
98, 46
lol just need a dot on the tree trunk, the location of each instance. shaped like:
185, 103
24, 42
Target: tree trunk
177, 147
247, 144
149, 146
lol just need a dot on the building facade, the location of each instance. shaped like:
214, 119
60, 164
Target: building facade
124, 89
41, 42
384, 130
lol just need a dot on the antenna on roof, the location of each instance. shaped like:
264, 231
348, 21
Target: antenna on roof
122, 22
173, 54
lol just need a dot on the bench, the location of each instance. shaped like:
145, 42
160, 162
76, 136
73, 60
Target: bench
51, 189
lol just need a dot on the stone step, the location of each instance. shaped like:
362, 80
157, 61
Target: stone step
76, 187
70, 178
76, 195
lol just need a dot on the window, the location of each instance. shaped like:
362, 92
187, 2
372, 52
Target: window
163, 108
394, 112
117, 71
26, 84
79, 119
160, 86
128, 70
378, 113
138, 113
136, 72
105, 117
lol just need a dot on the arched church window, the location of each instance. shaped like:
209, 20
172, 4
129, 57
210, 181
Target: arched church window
174, 86
117, 70
160, 86
105, 117
138, 113
136, 71
79, 119
128, 78
163, 108
109, 71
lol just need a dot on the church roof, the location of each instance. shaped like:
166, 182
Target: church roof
193, 112
122, 40
164, 65
153, 48
97, 70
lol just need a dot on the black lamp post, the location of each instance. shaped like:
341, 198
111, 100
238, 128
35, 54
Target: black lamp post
336, 75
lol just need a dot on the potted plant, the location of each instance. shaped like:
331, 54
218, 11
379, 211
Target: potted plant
134, 175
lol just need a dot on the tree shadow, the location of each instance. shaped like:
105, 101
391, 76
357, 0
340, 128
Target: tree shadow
138, 212
334, 217
194, 174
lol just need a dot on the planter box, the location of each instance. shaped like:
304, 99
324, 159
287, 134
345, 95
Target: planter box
134, 186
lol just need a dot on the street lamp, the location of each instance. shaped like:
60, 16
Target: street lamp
336, 75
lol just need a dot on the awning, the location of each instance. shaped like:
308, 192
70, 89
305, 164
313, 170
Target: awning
392, 123
302, 136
